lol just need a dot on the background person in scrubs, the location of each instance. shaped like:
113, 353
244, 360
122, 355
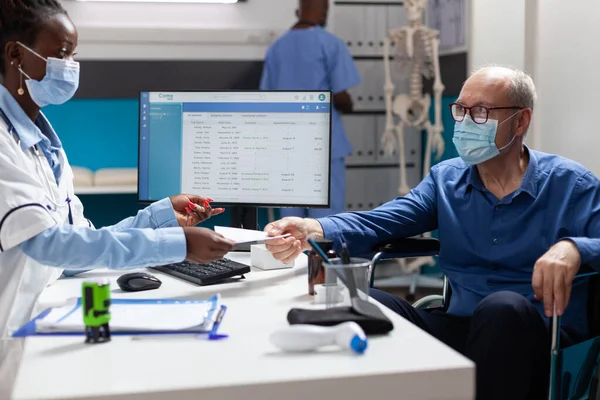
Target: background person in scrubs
308, 57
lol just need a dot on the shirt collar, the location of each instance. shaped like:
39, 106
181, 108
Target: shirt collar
529, 183
28, 132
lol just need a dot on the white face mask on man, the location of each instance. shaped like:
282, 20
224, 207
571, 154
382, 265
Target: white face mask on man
59, 84
476, 143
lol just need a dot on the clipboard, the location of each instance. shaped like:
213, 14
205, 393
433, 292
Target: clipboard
214, 315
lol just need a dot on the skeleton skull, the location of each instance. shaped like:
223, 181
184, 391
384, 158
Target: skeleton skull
415, 9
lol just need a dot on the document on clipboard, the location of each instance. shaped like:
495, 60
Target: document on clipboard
131, 316
246, 236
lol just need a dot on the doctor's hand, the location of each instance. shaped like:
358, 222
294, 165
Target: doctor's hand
190, 210
553, 276
205, 245
300, 229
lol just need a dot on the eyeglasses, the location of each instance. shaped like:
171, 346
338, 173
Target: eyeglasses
479, 114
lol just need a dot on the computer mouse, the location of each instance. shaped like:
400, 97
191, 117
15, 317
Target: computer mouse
138, 281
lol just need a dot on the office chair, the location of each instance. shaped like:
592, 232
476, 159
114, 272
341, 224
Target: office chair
574, 372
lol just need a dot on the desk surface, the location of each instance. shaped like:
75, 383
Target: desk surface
405, 364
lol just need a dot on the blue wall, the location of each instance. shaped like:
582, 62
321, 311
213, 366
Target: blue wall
97, 133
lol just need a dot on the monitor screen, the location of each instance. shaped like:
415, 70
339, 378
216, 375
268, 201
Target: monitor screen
261, 148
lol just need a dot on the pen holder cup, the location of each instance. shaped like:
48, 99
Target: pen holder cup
337, 274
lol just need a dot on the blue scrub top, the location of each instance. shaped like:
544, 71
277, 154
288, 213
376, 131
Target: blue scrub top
312, 59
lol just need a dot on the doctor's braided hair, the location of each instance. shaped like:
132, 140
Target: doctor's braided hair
22, 19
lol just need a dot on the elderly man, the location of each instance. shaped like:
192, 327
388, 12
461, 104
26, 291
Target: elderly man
514, 224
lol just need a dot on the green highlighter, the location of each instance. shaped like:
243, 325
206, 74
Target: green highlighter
95, 303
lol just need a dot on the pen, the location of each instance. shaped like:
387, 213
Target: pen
195, 208
315, 246
345, 254
199, 210
265, 240
213, 332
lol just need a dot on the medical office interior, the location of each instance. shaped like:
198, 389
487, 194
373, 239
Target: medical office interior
127, 47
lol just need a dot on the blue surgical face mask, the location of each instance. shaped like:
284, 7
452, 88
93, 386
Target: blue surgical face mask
476, 143
58, 86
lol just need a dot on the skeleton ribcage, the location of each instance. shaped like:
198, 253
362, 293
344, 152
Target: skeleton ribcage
422, 60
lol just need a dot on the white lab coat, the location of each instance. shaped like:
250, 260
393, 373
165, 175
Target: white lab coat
30, 202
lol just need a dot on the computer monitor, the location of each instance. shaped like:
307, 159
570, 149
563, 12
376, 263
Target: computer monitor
247, 149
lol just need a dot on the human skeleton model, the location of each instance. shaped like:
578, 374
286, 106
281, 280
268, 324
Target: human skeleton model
417, 52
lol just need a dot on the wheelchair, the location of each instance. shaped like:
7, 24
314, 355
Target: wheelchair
574, 372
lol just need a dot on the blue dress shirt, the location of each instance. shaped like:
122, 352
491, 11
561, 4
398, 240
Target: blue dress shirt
313, 59
490, 245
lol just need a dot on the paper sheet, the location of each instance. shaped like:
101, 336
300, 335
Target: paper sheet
240, 236
140, 317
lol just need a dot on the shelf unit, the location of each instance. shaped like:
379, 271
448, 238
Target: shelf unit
371, 177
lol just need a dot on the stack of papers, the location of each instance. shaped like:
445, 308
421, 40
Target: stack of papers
138, 316
246, 236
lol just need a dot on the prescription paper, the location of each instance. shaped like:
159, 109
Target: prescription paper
240, 236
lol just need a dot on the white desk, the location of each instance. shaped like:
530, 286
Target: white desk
406, 364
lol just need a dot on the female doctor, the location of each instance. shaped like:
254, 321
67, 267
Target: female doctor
42, 226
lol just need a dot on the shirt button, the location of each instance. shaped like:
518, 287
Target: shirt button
490, 285
495, 241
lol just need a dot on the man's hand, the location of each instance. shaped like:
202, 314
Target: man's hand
553, 276
204, 245
188, 216
300, 229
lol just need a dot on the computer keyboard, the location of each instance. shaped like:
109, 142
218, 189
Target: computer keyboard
205, 274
